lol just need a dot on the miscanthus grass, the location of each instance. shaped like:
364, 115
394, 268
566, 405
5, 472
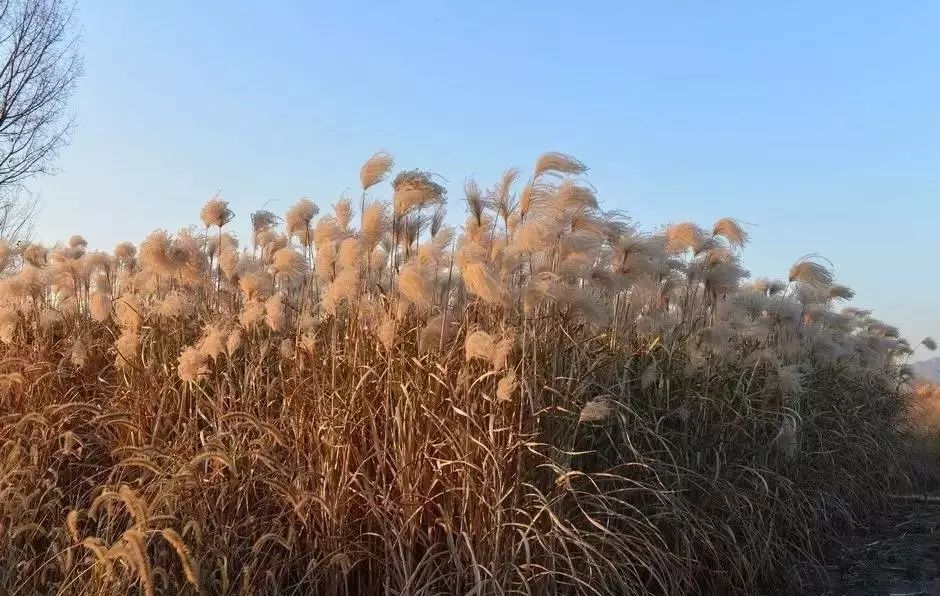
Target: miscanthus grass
364, 400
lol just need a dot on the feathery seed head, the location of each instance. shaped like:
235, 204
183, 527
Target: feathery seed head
127, 348
216, 213
125, 251
502, 349
811, 273
349, 254
558, 163
479, 344
174, 305
507, 387
255, 285
234, 341
78, 242
481, 282
343, 288
298, 218
386, 332
731, 230
840, 292
375, 169
598, 409
287, 264
883, 330
35, 255
502, 199
415, 189
252, 313
212, 342
412, 286
684, 236
572, 196
154, 253
344, 213
263, 220
374, 224
129, 312
474, 199
858, 313
99, 306
228, 261
193, 364
326, 232
274, 314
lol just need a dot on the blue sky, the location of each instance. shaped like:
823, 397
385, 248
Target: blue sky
818, 123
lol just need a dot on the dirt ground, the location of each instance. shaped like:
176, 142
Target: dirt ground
897, 555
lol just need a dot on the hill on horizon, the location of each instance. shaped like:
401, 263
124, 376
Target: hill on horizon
928, 369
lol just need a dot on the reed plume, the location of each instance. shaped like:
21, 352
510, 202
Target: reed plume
125, 251
811, 273
415, 189
375, 169
684, 236
558, 163
731, 230
193, 363
216, 213
298, 219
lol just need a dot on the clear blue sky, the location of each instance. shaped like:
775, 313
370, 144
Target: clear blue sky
818, 122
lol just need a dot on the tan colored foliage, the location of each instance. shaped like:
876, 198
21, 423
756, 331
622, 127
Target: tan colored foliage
548, 402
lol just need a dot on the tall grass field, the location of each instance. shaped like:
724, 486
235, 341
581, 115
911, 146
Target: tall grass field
363, 400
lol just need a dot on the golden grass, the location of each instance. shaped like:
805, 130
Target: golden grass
926, 408
550, 402
923, 437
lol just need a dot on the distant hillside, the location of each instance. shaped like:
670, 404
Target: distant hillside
928, 369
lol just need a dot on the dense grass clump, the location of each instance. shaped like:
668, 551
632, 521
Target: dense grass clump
923, 438
550, 402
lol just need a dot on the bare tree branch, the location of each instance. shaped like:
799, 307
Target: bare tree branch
39, 65
17, 213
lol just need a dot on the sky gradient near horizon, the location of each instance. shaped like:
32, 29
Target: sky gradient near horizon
816, 123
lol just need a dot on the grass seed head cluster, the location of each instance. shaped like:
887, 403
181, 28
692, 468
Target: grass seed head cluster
364, 400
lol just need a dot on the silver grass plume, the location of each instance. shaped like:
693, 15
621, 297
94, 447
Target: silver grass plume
216, 213
415, 189
811, 273
375, 169
558, 163
730, 229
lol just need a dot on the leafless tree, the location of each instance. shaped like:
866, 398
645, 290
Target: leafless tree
17, 212
39, 65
